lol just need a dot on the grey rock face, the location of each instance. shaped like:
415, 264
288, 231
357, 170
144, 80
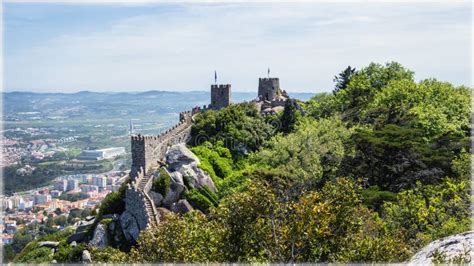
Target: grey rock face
129, 226
173, 194
100, 238
176, 177
77, 237
182, 207
156, 197
48, 244
83, 226
178, 155
181, 160
135, 205
196, 176
86, 256
449, 248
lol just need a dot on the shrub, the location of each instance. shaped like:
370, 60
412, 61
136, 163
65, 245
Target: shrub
108, 255
37, 255
162, 183
218, 158
112, 203
69, 254
374, 198
199, 200
106, 221
209, 194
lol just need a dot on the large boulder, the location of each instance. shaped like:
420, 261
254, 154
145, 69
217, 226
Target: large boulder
100, 238
156, 197
447, 249
82, 230
129, 226
181, 160
182, 207
178, 155
86, 256
84, 226
48, 244
176, 177
173, 194
196, 176
77, 237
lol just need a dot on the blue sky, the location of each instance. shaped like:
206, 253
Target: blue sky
127, 47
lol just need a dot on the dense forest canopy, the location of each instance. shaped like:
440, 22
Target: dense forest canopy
370, 173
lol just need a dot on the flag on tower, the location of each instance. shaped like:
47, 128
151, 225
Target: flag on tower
215, 76
131, 127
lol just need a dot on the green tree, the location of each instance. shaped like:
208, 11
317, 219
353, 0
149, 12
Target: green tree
315, 150
240, 128
343, 79
192, 238
437, 108
429, 212
365, 84
289, 117
322, 105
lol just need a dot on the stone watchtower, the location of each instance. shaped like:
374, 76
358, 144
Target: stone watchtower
268, 88
220, 96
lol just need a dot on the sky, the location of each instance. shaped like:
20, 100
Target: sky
51, 47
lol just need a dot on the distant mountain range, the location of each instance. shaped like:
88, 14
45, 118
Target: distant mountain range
238, 95
18, 106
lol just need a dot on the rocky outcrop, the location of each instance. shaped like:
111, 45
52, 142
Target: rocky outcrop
130, 226
48, 244
82, 230
115, 232
178, 155
449, 249
86, 256
173, 194
135, 207
183, 163
100, 238
177, 177
182, 207
156, 197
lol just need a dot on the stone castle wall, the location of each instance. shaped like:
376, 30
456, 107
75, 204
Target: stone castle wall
220, 96
149, 151
268, 88
135, 204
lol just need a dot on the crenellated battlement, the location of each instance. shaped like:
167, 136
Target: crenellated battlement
269, 79
268, 88
149, 151
220, 96
220, 86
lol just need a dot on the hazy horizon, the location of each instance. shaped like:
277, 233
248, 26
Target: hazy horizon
55, 47
144, 91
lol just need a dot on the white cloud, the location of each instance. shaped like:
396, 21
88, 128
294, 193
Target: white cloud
304, 44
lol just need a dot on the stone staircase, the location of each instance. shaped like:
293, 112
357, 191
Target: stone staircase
143, 179
144, 184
